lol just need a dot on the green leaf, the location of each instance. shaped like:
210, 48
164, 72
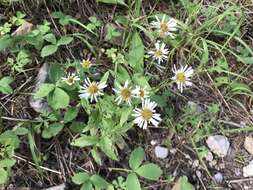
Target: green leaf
55, 72
50, 38
85, 141
125, 112
132, 182
136, 158
107, 147
52, 130
58, 99
3, 176
6, 41
80, 178
184, 184
87, 186
136, 53
64, 40
150, 171
48, 50
7, 163
21, 131
99, 182
121, 2
44, 90
96, 156
5, 85
71, 114
105, 77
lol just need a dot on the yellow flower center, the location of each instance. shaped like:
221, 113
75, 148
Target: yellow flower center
86, 64
125, 93
158, 53
70, 80
180, 77
164, 27
142, 93
146, 114
93, 88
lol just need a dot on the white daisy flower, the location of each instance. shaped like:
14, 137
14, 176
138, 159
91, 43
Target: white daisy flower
165, 28
91, 90
140, 92
86, 64
146, 114
70, 79
182, 76
124, 94
160, 52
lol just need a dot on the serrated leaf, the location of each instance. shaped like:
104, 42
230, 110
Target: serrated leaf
80, 178
48, 50
136, 158
149, 171
132, 182
44, 90
85, 141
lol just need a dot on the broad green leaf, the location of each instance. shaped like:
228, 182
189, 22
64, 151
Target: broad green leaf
121, 2
125, 114
80, 178
87, 186
48, 50
64, 40
132, 182
6, 41
150, 171
85, 141
247, 60
205, 53
7, 163
55, 72
96, 156
136, 53
121, 75
6, 80
9, 138
44, 90
3, 176
136, 158
52, 130
184, 184
107, 147
58, 99
70, 114
141, 80
99, 182
50, 38
105, 77
21, 131
5, 85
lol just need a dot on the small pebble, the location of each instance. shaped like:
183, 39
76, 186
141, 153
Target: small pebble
161, 152
248, 170
218, 144
218, 177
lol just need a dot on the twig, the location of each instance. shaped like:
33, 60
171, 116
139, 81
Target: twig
33, 164
18, 119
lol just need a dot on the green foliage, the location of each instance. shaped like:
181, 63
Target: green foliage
22, 59
89, 181
5, 85
18, 19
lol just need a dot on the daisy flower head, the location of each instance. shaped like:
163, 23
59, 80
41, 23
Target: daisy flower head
165, 28
124, 93
86, 63
91, 90
160, 53
182, 76
140, 92
146, 114
70, 79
